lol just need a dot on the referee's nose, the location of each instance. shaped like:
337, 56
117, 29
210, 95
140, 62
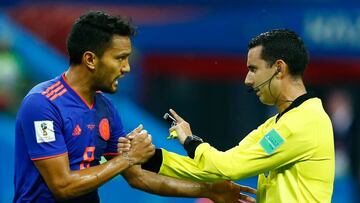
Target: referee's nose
249, 79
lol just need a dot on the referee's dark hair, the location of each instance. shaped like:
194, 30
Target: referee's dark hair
283, 44
93, 32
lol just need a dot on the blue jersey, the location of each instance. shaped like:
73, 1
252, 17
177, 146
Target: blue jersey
54, 120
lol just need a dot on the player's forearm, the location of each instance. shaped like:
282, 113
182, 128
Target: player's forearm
81, 182
165, 186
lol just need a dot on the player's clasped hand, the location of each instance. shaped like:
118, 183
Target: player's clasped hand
137, 145
124, 142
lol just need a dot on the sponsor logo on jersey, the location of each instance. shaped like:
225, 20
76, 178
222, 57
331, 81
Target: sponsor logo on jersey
76, 131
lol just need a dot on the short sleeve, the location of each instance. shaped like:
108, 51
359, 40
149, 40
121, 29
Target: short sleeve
41, 127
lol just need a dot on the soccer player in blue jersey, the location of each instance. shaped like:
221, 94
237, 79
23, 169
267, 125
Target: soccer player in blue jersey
66, 124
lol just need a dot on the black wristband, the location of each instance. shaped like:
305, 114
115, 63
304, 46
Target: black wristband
190, 145
154, 163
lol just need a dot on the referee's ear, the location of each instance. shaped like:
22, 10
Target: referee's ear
89, 59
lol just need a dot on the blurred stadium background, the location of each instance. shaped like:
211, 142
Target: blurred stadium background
190, 55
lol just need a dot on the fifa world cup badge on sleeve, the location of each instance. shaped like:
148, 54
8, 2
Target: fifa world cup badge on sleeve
271, 141
44, 131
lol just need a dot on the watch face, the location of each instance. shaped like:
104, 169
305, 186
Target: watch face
192, 138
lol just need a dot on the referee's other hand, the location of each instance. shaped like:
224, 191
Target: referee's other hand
230, 192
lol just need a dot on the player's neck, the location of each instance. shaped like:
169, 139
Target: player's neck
81, 84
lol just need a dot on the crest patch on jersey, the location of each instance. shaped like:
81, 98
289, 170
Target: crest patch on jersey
271, 141
44, 131
104, 129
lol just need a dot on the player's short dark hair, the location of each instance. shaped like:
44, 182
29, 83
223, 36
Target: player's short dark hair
93, 31
283, 44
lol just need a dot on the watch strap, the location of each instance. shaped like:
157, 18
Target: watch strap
191, 143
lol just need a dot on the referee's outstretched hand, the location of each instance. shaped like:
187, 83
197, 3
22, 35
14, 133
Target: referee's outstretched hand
182, 127
230, 192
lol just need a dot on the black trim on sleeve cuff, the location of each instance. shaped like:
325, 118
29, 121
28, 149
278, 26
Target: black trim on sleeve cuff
191, 146
154, 163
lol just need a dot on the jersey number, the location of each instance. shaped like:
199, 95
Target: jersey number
88, 157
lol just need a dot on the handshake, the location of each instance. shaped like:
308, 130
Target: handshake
137, 146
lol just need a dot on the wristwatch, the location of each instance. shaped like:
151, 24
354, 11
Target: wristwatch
191, 143
192, 138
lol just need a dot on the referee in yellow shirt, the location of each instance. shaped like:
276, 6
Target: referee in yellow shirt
292, 152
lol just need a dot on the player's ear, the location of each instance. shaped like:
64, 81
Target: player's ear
89, 59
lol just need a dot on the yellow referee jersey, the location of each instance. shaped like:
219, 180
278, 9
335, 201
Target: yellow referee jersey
294, 158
